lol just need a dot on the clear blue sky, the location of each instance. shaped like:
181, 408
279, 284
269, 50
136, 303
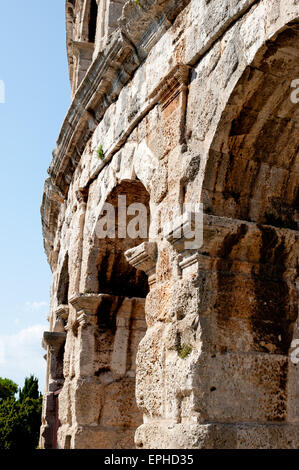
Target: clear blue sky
33, 66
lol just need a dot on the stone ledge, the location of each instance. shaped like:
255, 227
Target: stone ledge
88, 302
180, 232
83, 45
144, 258
62, 311
220, 230
53, 339
217, 436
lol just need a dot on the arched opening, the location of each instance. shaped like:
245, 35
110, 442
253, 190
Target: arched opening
252, 171
251, 186
92, 21
63, 284
120, 316
115, 275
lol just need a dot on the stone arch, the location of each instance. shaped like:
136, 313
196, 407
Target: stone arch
252, 169
115, 275
113, 325
250, 195
63, 283
102, 250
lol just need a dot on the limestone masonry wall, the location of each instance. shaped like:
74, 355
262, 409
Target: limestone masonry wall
151, 344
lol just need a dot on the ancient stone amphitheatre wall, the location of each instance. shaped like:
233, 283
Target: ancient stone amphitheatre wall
184, 102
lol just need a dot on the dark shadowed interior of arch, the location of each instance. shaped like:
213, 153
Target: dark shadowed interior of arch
120, 319
63, 284
252, 171
115, 275
92, 24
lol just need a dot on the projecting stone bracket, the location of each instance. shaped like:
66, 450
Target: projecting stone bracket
62, 312
88, 302
87, 307
183, 230
83, 319
55, 342
185, 235
144, 258
54, 339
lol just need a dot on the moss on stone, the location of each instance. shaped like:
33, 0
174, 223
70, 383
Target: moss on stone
100, 153
184, 350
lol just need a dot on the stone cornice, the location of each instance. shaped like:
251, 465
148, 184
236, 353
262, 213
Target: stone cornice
78, 45
139, 30
221, 232
54, 339
52, 200
88, 302
95, 86
181, 231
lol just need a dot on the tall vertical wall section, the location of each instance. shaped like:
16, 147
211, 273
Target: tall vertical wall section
151, 344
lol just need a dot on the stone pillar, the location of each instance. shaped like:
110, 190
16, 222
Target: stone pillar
54, 341
218, 342
102, 390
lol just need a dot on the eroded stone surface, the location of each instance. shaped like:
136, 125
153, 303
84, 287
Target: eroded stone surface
189, 102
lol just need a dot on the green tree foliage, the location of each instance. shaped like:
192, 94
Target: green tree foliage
8, 389
20, 419
30, 389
